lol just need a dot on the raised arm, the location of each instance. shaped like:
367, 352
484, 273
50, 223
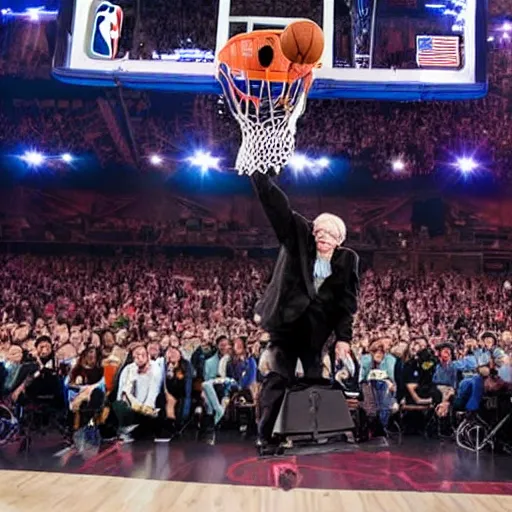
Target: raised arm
276, 205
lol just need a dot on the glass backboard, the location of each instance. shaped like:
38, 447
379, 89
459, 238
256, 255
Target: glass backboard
381, 49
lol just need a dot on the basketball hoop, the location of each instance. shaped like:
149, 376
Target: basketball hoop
266, 94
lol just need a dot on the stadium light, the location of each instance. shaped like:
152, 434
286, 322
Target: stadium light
33, 13
323, 162
299, 162
204, 160
506, 27
155, 159
466, 165
33, 158
398, 165
66, 157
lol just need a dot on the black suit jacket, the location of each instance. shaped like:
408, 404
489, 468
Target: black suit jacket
291, 290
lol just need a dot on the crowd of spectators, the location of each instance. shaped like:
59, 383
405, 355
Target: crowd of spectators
373, 134
138, 329
75, 126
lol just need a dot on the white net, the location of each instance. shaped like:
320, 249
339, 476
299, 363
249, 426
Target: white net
267, 113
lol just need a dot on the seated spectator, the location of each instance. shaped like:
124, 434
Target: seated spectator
471, 390
241, 368
240, 376
341, 367
377, 379
378, 359
155, 354
445, 374
417, 377
178, 388
44, 384
211, 365
201, 354
139, 386
489, 349
86, 387
14, 372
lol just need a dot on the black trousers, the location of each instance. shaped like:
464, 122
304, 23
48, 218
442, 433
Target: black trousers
304, 340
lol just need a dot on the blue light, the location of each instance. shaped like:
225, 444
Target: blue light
31, 13
398, 165
204, 160
299, 162
33, 158
466, 165
66, 157
155, 159
323, 162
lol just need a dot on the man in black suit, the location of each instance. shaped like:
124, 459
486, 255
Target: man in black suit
313, 292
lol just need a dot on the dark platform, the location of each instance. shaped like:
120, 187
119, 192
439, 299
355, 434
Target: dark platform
417, 465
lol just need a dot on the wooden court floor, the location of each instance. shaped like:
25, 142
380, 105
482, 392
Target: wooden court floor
56, 492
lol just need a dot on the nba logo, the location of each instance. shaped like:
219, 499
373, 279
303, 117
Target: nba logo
107, 24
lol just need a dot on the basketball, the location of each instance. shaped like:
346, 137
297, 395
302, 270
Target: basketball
302, 42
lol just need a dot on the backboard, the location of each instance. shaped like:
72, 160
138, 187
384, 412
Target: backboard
380, 49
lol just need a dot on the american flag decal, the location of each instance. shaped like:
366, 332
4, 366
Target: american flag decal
437, 51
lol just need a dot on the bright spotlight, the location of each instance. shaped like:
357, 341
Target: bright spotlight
33, 14
33, 158
466, 165
155, 159
507, 27
66, 157
323, 162
398, 165
299, 162
204, 160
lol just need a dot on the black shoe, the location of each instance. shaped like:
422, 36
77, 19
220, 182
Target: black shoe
267, 447
261, 443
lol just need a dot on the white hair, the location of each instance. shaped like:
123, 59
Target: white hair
337, 225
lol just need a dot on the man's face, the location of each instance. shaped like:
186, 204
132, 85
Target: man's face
75, 339
164, 342
90, 357
154, 351
15, 354
140, 357
224, 347
239, 347
326, 236
108, 340
44, 349
445, 355
488, 342
378, 355
173, 355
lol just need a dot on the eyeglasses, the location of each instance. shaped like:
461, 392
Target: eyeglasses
325, 232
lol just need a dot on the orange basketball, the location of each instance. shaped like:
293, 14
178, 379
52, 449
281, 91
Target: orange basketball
302, 42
